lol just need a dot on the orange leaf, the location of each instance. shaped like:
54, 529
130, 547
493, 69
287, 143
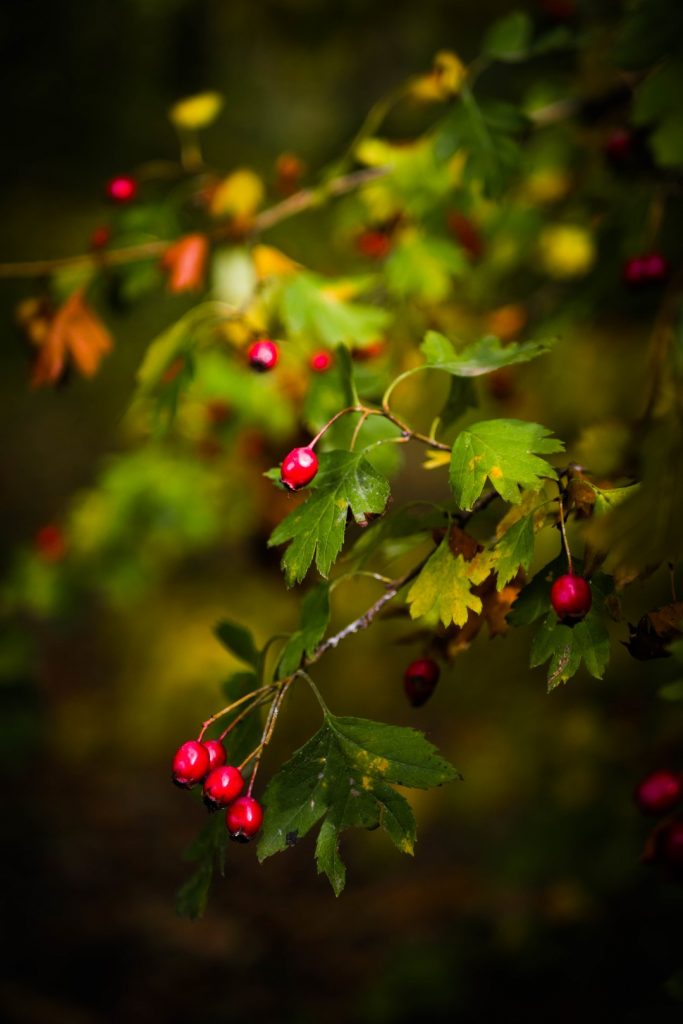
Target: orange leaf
75, 332
185, 262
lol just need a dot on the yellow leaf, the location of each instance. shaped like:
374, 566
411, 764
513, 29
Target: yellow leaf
196, 112
444, 586
435, 459
238, 195
271, 262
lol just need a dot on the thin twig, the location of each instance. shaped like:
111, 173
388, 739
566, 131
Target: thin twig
305, 199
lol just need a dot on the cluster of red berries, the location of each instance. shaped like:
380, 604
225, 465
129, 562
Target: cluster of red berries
659, 793
571, 598
196, 762
263, 355
650, 268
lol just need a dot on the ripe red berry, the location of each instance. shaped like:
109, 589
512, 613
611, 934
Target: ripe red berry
244, 818
376, 245
659, 792
50, 543
190, 764
571, 597
222, 786
648, 268
670, 844
122, 189
263, 355
216, 752
321, 361
298, 468
655, 266
419, 681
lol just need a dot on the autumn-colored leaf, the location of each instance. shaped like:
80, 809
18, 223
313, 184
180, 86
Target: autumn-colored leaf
185, 263
74, 334
655, 632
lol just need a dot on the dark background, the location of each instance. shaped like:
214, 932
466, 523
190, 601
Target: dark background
526, 899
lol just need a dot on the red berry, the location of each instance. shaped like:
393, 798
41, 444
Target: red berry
419, 681
222, 786
619, 145
374, 244
298, 468
244, 819
190, 764
263, 355
659, 792
374, 350
655, 266
670, 843
101, 237
122, 189
571, 597
649, 268
50, 543
321, 361
216, 752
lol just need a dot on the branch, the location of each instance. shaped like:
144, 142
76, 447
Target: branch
305, 199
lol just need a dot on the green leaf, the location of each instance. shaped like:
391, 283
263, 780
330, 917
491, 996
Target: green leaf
514, 550
657, 104
606, 500
208, 849
443, 588
509, 39
342, 776
534, 600
503, 451
461, 397
307, 309
315, 618
483, 356
238, 640
567, 646
485, 133
316, 529
422, 268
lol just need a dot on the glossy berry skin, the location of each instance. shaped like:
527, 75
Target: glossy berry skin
263, 355
670, 845
122, 189
216, 752
321, 361
419, 681
659, 792
244, 819
190, 764
298, 468
222, 786
571, 597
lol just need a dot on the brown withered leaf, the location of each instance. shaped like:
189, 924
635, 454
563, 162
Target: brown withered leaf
462, 543
581, 496
73, 335
185, 263
495, 606
655, 631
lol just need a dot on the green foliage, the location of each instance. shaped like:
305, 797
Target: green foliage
515, 550
346, 480
238, 640
309, 309
483, 356
504, 451
344, 775
208, 850
510, 38
315, 618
